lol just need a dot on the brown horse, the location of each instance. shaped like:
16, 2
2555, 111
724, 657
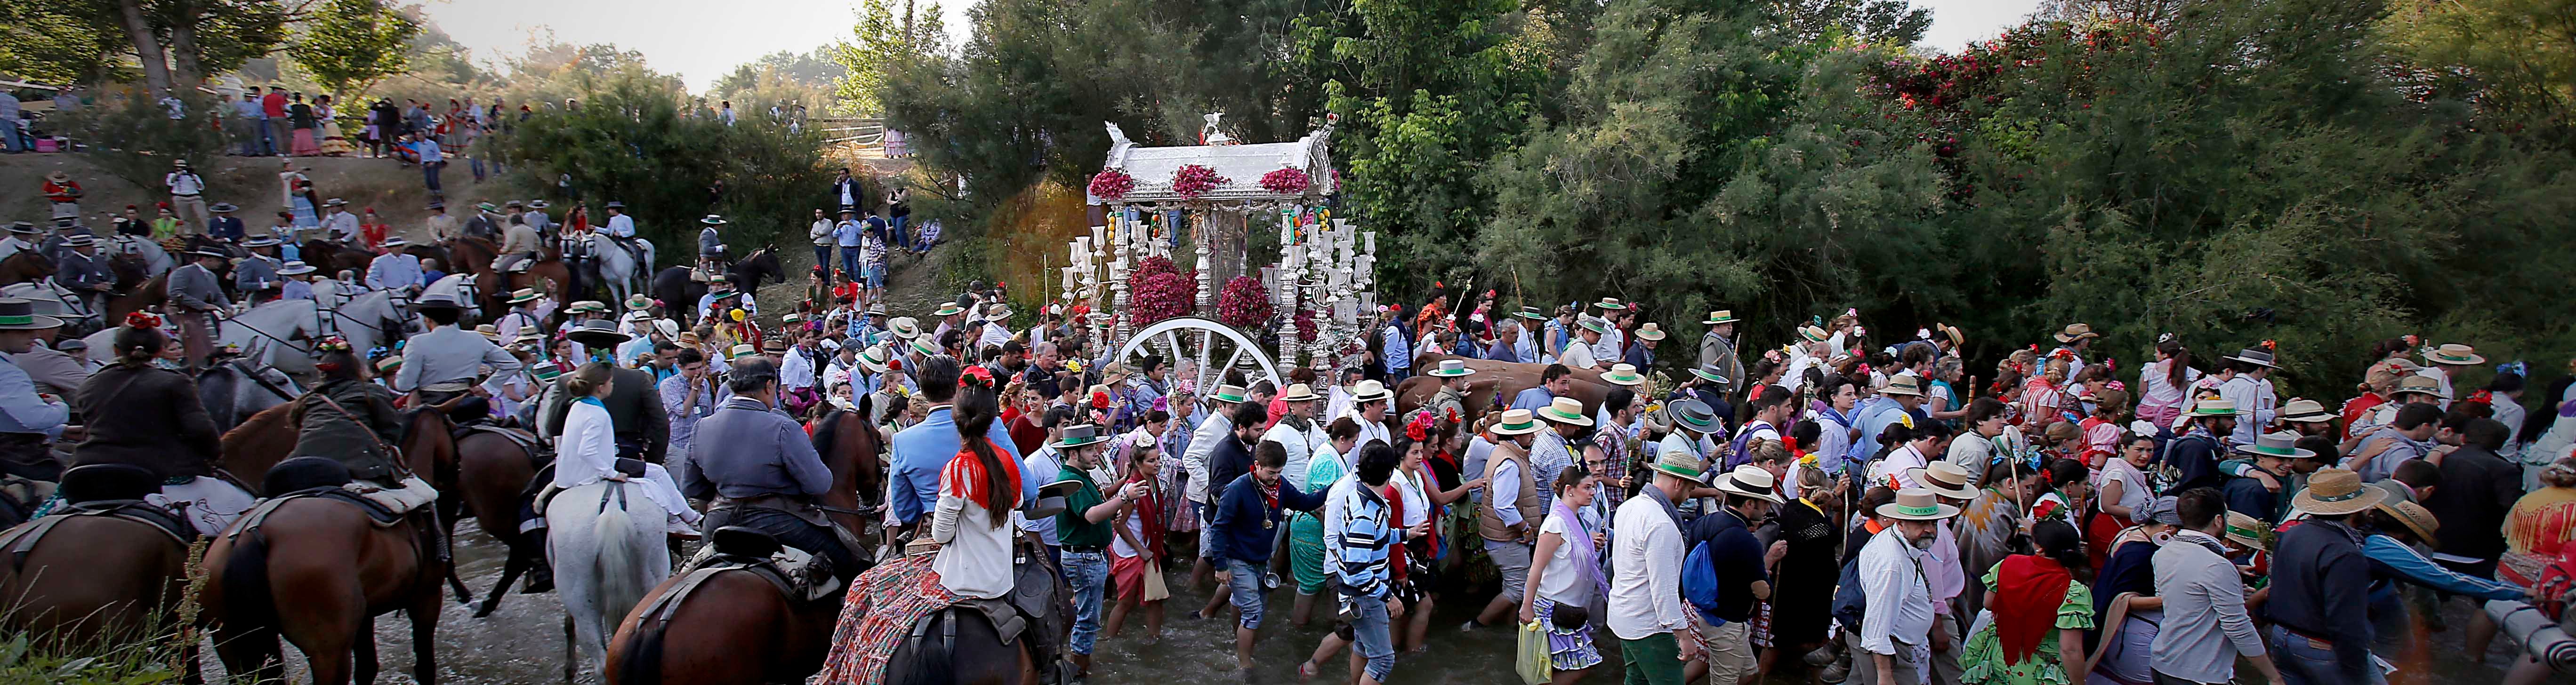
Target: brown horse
733, 618
25, 267
342, 571
491, 472
330, 258
129, 300
94, 580
1493, 379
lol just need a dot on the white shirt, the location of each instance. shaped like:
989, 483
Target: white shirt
2252, 396
1645, 592
586, 453
821, 232
2160, 391
1215, 428
395, 270
622, 226
2439, 378
1900, 595
1301, 446
1899, 465
1041, 461
974, 555
796, 371
1563, 583
1577, 356
343, 225
184, 183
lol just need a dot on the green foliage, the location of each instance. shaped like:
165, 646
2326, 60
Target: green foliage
2518, 57
630, 141
784, 79
131, 136
61, 41
24, 662
226, 34
348, 45
883, 40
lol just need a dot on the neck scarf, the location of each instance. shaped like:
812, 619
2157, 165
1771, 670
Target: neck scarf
968, 472
1584, 557
1149, 510
2028, 590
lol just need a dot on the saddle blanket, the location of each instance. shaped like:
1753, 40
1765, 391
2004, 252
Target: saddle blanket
412, 494
210, 504
876, 616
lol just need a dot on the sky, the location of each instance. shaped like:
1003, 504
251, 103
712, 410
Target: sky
701, 41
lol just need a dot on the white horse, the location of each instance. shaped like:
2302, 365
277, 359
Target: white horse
233, 391
607, 541
460, 286
52, 299
366, 318
278, 334
618, 269
156, 261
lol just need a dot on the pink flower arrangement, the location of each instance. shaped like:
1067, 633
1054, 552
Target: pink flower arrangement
1243, 303
1112, 184
1194, 180
1160, 291
1287, 181
1306, 331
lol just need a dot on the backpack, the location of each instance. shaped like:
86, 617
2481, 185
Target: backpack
1849, 600
1699, 583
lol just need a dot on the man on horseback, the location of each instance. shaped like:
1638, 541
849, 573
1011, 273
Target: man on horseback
353, 421
22, 238
28, 421
198, 296
634, 405
757, 469
225, 226
395, 269
518, 248
711, 248
621, 230
486, 223
84, 274
447, 361
256, 277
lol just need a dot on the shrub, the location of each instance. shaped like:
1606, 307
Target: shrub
131, 135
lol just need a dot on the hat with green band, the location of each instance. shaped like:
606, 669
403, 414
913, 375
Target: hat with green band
1451, 368
1683, 463
1917, 504
19, 314
1532, 313
1623, 374
2333, 492
1692, 414
2245, 530
924, 347
1595, 325
1566, 410
2284, 444
2454, 355
1081, 435
1720, 316
1229, 394
1516, 422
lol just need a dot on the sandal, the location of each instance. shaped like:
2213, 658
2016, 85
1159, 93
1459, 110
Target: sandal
1306, 670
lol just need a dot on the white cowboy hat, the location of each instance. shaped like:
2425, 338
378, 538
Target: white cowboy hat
295, 268
1369, 391
1749, 481
1566, 410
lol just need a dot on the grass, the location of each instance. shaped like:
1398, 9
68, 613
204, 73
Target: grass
27, 659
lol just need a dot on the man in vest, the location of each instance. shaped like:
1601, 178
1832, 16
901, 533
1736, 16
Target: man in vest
256, 276
447, 361
634, 401
197, 295
1450, 404
1504, 518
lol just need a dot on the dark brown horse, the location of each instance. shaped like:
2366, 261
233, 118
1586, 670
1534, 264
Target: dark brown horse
1492, 379
491, 472
24, 267
341, 571
94, 580
129, 300
330, 258
735, 620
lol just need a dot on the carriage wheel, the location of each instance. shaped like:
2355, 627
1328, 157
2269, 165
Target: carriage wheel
1212, 345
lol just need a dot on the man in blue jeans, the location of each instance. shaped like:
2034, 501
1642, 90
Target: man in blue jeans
2320, 625
847, 235
1084, 530
1247, 520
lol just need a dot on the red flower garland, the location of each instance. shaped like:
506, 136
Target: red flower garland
1112, 184
1159, 290
1287, 181
1244, 303
1194, 180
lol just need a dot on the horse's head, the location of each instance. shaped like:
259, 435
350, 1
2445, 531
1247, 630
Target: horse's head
26, 265
130, 268
429, 445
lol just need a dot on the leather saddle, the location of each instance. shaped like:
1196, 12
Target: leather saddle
18, 542
377, 514
801, 576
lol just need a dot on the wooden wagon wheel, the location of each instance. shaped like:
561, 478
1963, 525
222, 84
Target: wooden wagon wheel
1214, 347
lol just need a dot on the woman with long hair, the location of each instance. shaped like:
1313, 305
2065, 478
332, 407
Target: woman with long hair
2102, 430
586, 448
977, 491
2041, 608
1138, 549
2164, 383
2120, 491
2044, 395
334, 141
1801, 605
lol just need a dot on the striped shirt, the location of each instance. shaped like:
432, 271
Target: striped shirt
1366, 535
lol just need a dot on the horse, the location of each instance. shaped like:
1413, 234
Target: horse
340, 568
330, 257
491, 473
608, 543
752, 270
93, 580
1492, 379
26, 266
675, 287
234, 391
154, 260
462, 287
366, 318
52, 299
977, 655
618, 269
277, 334
735, 618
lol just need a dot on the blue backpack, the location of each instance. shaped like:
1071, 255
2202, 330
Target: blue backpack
1849, 600
1699, 584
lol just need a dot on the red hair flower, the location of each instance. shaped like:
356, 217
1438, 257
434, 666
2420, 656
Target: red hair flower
1418, 429
142, 320
975, 377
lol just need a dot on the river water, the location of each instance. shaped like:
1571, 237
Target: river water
523, 642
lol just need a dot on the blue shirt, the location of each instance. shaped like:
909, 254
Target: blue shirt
428, 150
20, 410
684, 424
912, 484
1875, 417
847, 233
1533, 399
1399, 352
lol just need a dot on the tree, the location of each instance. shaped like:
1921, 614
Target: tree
61, 41
348, 45
130, 134
2517, 57
884, 39
171, 41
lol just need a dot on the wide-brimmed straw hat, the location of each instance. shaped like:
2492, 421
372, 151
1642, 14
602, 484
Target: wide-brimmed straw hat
2454, 355
1300, 392
1750, 481
1649, 331
1719, 317
2333, 491
742, 350
1903, 384
1517, 422
2257, 357
2282, 444
525, 295
1710, 373
1227, 393
1610, 303
1917, 504
1595, 325
262, 241
2305, 411
1369, 391
1683, 463
489, 332
2245, 530
19, 314
874, 359
1566, 410
1079, 435
638, 302
1531, 313
2419, 385
904, 327
2414, 516
2076, 331
1813, 334
598, 333
1623, 374
1451, 368
1945, 479
292, 268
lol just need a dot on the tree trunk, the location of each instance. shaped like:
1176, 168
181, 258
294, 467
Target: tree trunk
183, 43
147, 46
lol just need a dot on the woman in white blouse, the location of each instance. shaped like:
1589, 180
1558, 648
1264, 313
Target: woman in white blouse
979, 496
586, 450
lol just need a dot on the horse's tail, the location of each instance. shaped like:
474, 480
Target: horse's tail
642, 662
929, 660
249, 603
620, 574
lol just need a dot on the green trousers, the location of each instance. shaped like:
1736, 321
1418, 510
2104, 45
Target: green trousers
1656, 660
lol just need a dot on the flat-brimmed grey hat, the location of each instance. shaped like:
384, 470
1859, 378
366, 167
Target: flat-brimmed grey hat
19, 314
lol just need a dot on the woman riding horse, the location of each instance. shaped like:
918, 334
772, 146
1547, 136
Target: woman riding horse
151, 417
353, 420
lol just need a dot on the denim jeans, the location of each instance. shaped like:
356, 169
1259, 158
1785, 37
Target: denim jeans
823, 257
477, 164
896, 225
2303, 663
429, 175
850, 263
1088, 573
1369, 636
1244, 579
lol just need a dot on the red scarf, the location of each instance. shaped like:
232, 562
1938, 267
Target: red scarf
2029, 589
1149, 509
968, 474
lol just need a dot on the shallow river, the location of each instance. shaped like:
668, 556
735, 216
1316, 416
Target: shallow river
522, 643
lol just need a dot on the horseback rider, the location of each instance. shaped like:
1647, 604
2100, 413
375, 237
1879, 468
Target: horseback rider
711, 249
198, 295
28, 421
757, 469
352, 420
395, 269
621, 230
587, 449
84, 274
256, 276
22, 238
486, 223
146, 416
444, 363
225, 226
518, 248
340, 227
643, 431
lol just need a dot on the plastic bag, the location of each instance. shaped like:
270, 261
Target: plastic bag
1532, 658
